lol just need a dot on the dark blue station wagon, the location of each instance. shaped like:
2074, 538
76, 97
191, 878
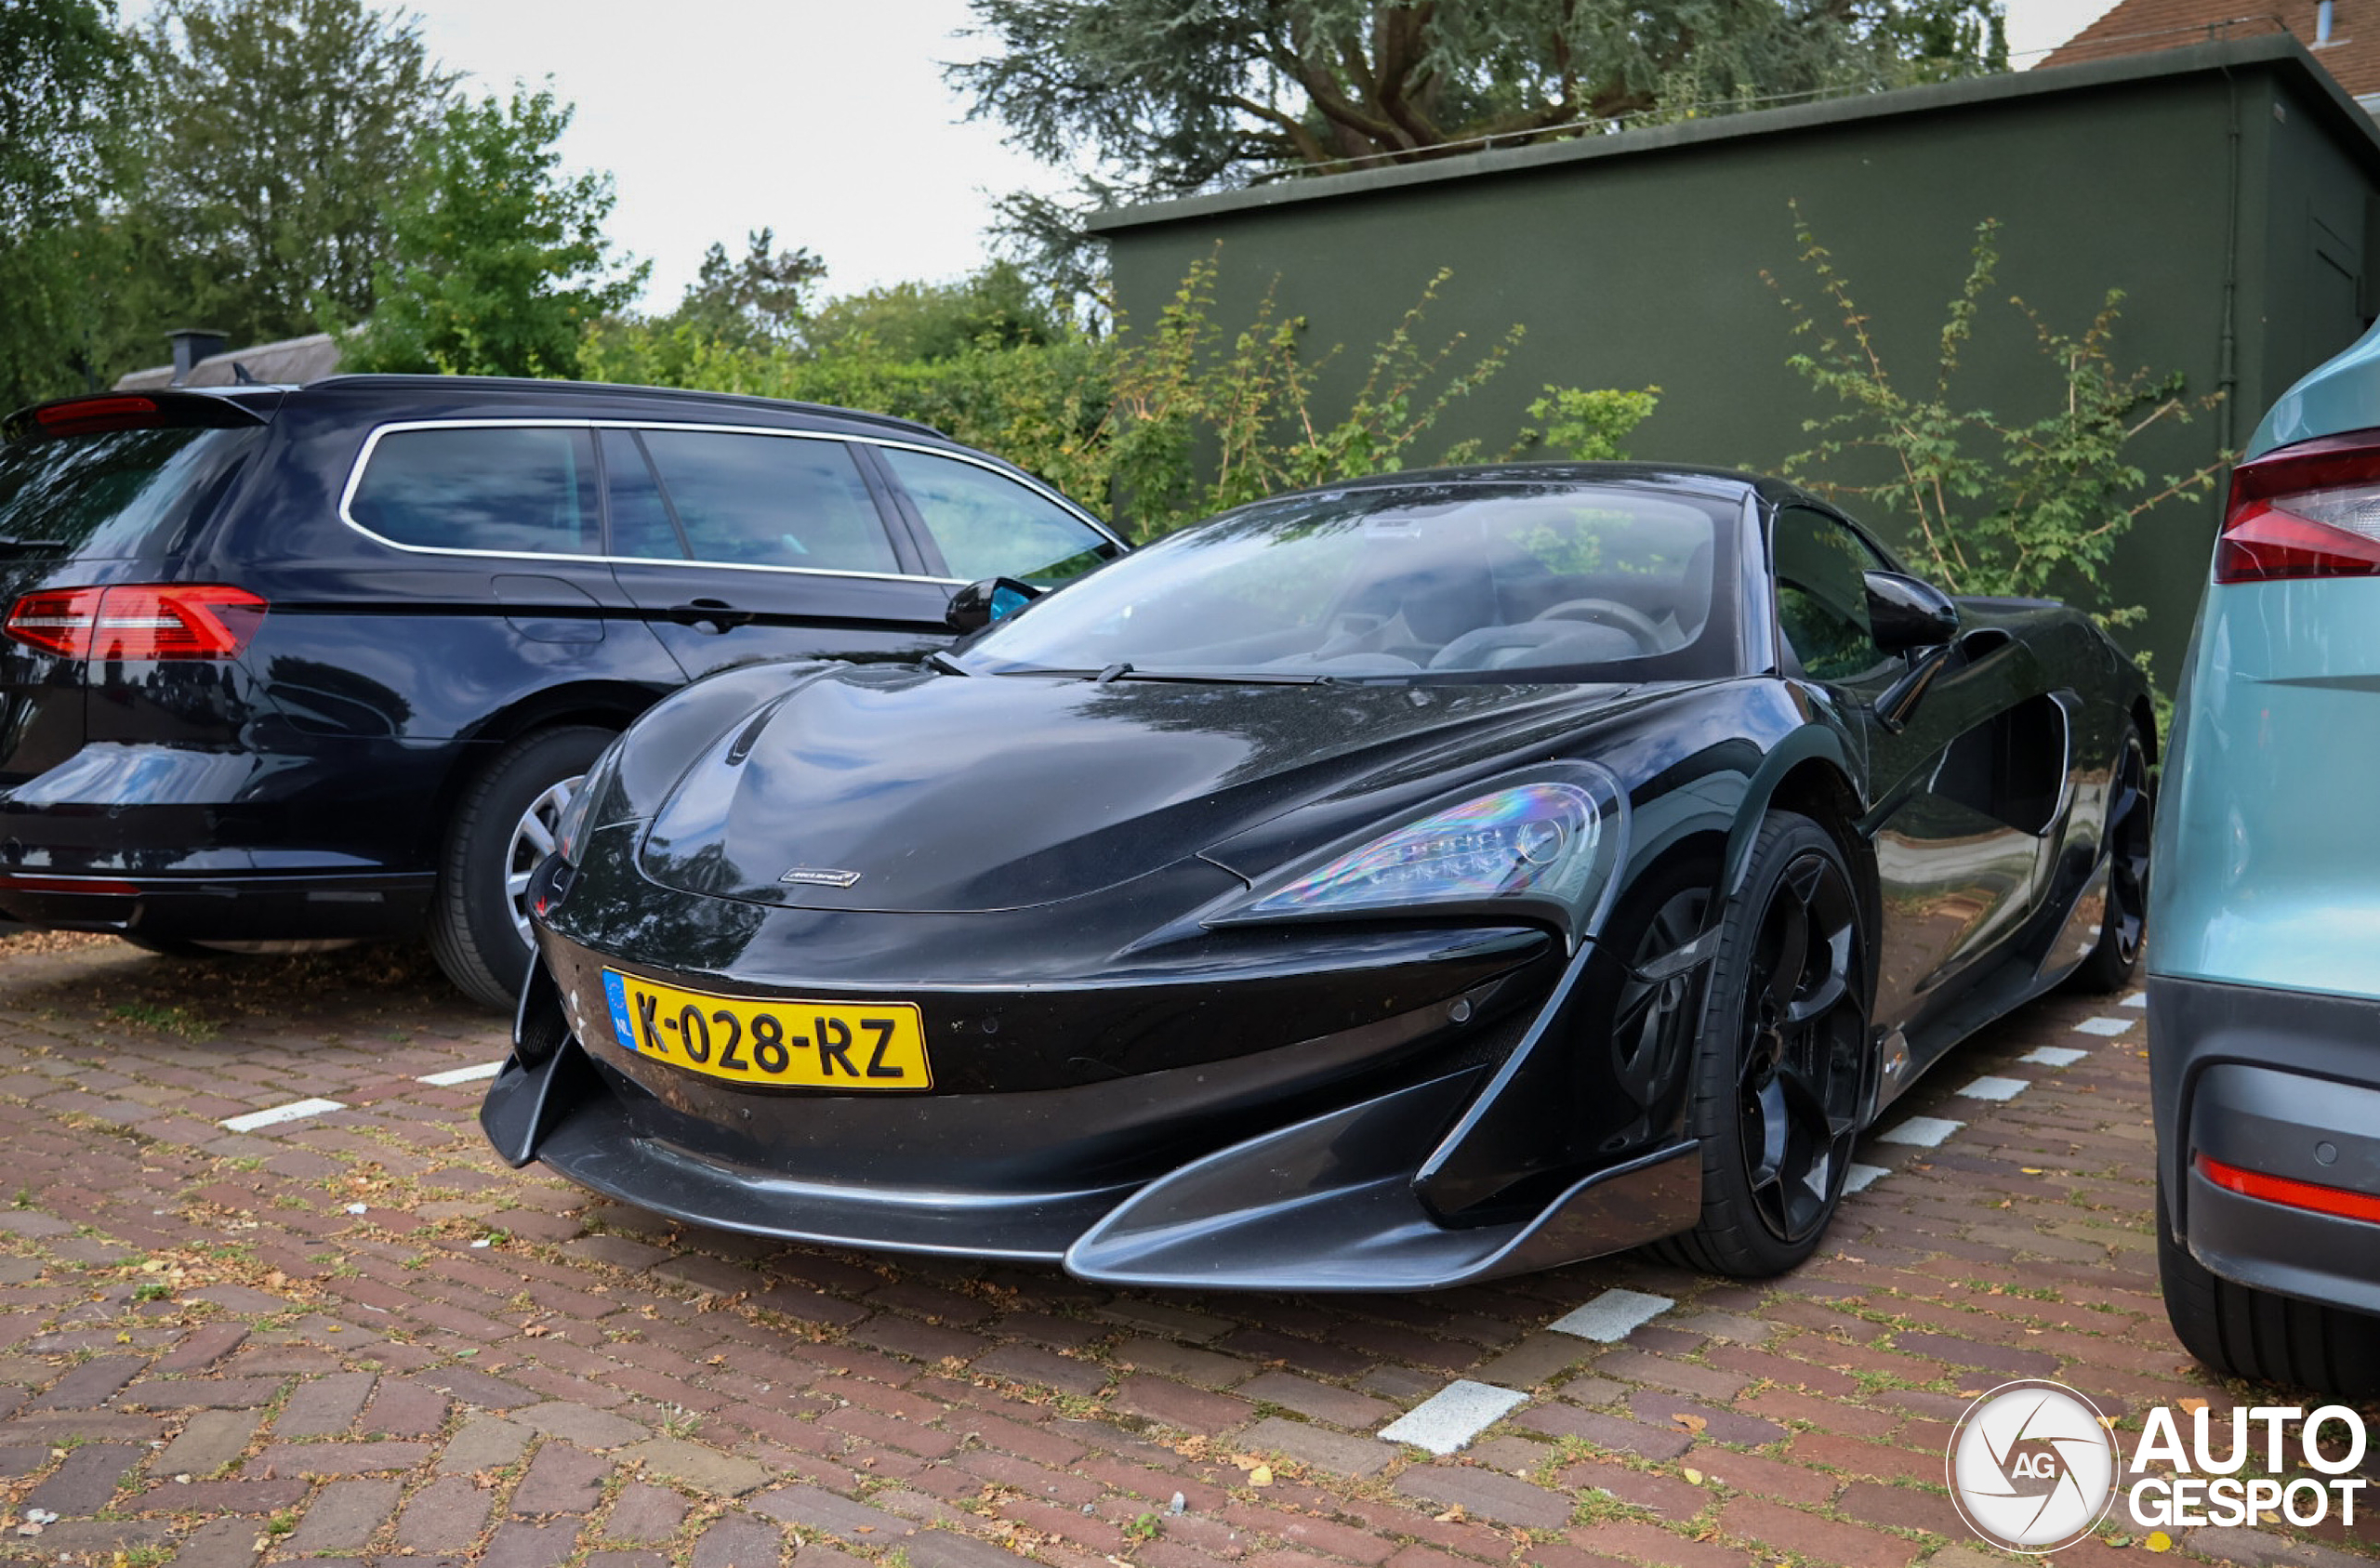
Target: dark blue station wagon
325, 662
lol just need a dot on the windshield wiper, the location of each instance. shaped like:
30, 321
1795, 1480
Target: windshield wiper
945, 664
1215, 678
15, 546
1126, 671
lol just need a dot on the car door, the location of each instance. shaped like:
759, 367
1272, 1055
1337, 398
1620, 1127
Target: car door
974, 522
1958, 857
743, 545
493, 559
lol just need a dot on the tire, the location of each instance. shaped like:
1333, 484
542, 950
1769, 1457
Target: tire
1775, 1084
2132, 807
478, 925
2240, 1331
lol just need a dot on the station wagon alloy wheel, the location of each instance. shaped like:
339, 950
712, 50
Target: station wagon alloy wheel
533, 840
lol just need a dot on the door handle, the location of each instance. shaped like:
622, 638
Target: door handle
713, 615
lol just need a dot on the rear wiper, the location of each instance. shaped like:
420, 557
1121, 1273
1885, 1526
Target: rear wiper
8, 544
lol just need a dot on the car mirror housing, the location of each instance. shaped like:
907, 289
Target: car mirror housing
1906, 614
992, 599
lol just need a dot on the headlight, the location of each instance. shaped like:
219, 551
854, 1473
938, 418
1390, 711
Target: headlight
570, 833
1553, 841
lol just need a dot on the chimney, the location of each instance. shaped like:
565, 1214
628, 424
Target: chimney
192, 344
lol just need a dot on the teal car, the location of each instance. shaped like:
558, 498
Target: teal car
2264, 974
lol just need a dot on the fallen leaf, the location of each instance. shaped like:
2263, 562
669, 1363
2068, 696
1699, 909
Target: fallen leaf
2158, 1540
2109, 1422
1452, 1516
2032, 1170
2193, 1405
1970, 1393
1691, 1423
1261, 1476
1692, 1475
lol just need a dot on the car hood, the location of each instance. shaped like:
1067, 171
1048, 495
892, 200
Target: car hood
912, 791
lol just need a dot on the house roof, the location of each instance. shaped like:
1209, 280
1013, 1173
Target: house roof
2136, 27
290, 362
2277, 51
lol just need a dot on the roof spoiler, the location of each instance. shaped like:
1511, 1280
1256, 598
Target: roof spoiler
98, 412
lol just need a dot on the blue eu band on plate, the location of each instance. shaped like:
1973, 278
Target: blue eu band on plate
772, 1040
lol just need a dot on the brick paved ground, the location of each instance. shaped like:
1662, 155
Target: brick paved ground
356, 1335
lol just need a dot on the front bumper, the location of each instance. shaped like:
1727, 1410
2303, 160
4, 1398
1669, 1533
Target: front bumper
1297, 1164
2285, 1084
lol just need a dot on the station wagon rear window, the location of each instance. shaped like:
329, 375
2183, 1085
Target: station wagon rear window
117, 493
528, 490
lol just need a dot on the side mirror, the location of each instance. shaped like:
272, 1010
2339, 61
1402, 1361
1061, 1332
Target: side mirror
1905, 614
994, 598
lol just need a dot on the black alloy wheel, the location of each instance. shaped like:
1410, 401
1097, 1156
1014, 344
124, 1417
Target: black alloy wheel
2132, 807
1784, 1034
1652, 1022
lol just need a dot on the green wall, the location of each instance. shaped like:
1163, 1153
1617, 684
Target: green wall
1640, 258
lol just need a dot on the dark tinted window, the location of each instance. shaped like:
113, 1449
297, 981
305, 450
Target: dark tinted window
991, 526
1822, 595
528, 490
752, 500
640, 523
124, 493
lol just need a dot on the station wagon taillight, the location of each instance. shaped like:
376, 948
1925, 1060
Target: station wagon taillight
137, 620
2308, 510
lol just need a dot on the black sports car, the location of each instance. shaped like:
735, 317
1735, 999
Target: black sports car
1381, 887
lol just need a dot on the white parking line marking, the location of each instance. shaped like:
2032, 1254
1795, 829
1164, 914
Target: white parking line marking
1860, 1177
1925, 1132
2103, 1026
1612, 1316
1988, 1087
2137, 999
1451, 1417
2054, 1056
454, 1075
297, 1110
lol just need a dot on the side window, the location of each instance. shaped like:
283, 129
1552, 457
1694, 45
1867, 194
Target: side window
1822, 595
642, 525
991, 526
526, 488
754, 500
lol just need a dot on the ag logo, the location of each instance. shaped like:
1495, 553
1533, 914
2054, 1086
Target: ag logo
2031, 1468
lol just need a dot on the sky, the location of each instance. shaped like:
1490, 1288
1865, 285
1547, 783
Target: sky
828, 120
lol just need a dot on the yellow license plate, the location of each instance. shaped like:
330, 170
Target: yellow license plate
773, 1040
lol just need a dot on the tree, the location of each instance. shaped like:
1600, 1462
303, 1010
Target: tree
498, 262
1183, 94
928, 323
65, 85
763, 298
280, 126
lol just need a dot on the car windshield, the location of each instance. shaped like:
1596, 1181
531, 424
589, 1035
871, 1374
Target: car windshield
1446, 581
